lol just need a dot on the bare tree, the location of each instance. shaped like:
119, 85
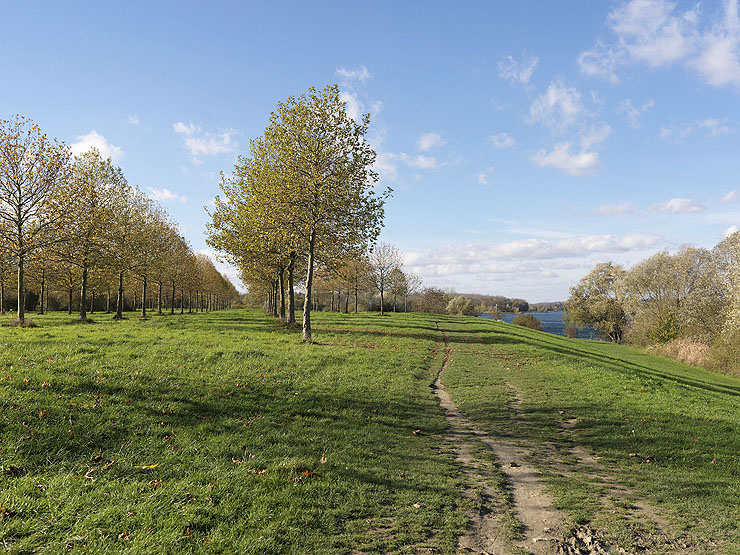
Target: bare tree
384, 261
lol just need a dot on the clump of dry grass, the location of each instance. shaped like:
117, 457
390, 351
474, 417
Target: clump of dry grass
688, 351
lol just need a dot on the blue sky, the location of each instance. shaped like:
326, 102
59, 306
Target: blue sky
524, 141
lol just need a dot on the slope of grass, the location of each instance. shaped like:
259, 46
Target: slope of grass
223, 433
669, 431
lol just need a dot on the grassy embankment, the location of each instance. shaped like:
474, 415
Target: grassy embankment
223, 433
669, 431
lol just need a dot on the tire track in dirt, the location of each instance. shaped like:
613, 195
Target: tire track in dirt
542, 523
544, 527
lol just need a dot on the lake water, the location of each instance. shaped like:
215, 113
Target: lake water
552, 322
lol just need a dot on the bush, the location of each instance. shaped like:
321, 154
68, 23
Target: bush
666, 330
688, 351
527, 321
571, 331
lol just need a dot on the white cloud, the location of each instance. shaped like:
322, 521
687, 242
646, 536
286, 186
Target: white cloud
575, 246
712, 127
720, 50
579, 163
353, 105
595, 135
360, 74
730, 230
203, 143
558, 108
677, 206
133, 119
657, 33
732, 196
427, 141
502, 140
621, 209
420, 161
599, 61
95, 140
651, 31
385, 165
517, 72
484, 177
165, 195
632, 113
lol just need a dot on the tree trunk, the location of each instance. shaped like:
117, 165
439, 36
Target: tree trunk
143, 298
346, 302
119, 305
159, 298
382, 313
309, 284
69, 302
83, 294
291, 292
182, 301
357, 287
2, 297
92, 303
172, 306
21, 299
107, 301
190, 302
282, 293
43, 290
275, 298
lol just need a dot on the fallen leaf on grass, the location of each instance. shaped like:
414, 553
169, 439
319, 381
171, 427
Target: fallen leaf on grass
714, 461
148, 466
154, 484
633, 454
324, 460
124, 536
417, 505
512, 464
108, 465
236, 461
416, 432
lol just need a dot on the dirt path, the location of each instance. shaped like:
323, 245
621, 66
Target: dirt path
543, 528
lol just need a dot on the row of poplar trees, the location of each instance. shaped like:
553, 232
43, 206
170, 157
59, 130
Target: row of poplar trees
303, 198
69, 221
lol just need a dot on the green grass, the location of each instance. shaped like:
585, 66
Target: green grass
682, 424
222, 432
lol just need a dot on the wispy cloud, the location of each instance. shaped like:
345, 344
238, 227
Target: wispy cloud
657, 33
502, 140
710, 127
165, 195
133, 119
360, 74
558, 108
632, 113
484, 177
428, 141
677, 206
202, 143
572, 163
621, 209
517, 72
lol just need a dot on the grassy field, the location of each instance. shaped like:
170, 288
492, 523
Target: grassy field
668, 431
221, 432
